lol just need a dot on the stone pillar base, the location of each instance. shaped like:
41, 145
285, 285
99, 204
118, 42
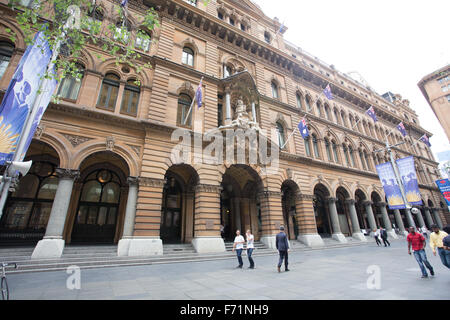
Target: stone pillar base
311, 240
48, 248
269, 241
208, 244
359, 236
339, 237
139, 246
392, 234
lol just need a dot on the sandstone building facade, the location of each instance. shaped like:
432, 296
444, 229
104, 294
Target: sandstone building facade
103, 170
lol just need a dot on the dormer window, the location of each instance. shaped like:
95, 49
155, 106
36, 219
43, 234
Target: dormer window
232, 21
267, 37
243, 28
220, 15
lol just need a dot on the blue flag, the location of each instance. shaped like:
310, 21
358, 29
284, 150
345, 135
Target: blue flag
303, 128
124, 3
425, 140
199, 94
327, 92
20, 95
402, 129
371, 113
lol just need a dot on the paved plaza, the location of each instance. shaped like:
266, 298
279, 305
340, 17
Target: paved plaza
359, 272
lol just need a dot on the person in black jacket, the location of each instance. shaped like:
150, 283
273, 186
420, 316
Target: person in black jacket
384, 236
283, 248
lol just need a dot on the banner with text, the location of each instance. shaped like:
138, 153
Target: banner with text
408, 175
390, 186
444, 186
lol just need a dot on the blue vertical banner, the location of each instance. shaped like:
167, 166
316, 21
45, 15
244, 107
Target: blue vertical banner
408, 175
444, 187
20, 95
390, 186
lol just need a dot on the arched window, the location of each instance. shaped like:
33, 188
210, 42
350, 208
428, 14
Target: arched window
347, 159
6, 51
299, 100
130, 98
315, 146
123, 31
366, 158
108, 93
319, 109
350, 118
336, 116
143, 39
352, 156
274, 90
184, 104
70, 86
220, 15
328, 149
335, 151
308, 104
327, 112
188, 56
307, 146
363, 162
344, 119
28, 208
280, 132
267, 37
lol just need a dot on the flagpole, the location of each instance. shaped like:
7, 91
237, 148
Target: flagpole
192, 104
293, 131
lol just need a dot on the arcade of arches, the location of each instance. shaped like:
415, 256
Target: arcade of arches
100, 202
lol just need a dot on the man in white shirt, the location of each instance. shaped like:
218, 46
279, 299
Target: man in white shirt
238, 245
376, 235
250, 247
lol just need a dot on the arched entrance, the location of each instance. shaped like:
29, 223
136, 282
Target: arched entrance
289, 191
28, 208
239, 201
100, 196
177, 210
321, 194
342, 210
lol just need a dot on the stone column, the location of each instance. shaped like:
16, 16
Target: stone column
307, 227
356, 229
437, 217
337, 234
52, 245
207, 237
428, 216
420, 218
227, 106
130, 215
271, 216
409, 218
399, 220
386, 221
254, 112
370, 217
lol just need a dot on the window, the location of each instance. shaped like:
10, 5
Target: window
191, 2
366, 158
143, 40
335, 152
219, 115
130, 98
280, 132
336, 115
184, 104
108, 92
70, 86
122, 32
267, 36
319, 109
315, 146
274, 90
308, 104
307, 147
188, 56
327, 148
232, 21
6, 51
243, 28
93, 20
220, 15
363, 162
299, 100
448, 100
327, 112
347, 159
227, 71
352, 156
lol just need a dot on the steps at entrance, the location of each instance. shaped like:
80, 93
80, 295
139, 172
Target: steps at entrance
258, 245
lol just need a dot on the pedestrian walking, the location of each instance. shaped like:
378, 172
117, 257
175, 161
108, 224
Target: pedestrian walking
424, 232
282, 245
222, 231
250, 248
376, 235
238, 245
436, 241
417, 242
446, 241
384, 236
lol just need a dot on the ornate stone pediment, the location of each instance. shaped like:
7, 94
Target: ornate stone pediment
76, 140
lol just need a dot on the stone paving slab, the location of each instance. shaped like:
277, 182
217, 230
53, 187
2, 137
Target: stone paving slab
331, 274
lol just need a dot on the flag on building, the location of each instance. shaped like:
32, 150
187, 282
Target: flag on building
281, 28
303, 128
199, 94
425, 140
402, 129
327, 92
123, 3
371, 113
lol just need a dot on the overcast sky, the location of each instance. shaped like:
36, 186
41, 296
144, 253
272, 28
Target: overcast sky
393, 44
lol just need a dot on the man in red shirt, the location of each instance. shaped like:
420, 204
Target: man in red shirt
417, 241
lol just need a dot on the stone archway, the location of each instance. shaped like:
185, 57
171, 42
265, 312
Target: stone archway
321, 195
289, 193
